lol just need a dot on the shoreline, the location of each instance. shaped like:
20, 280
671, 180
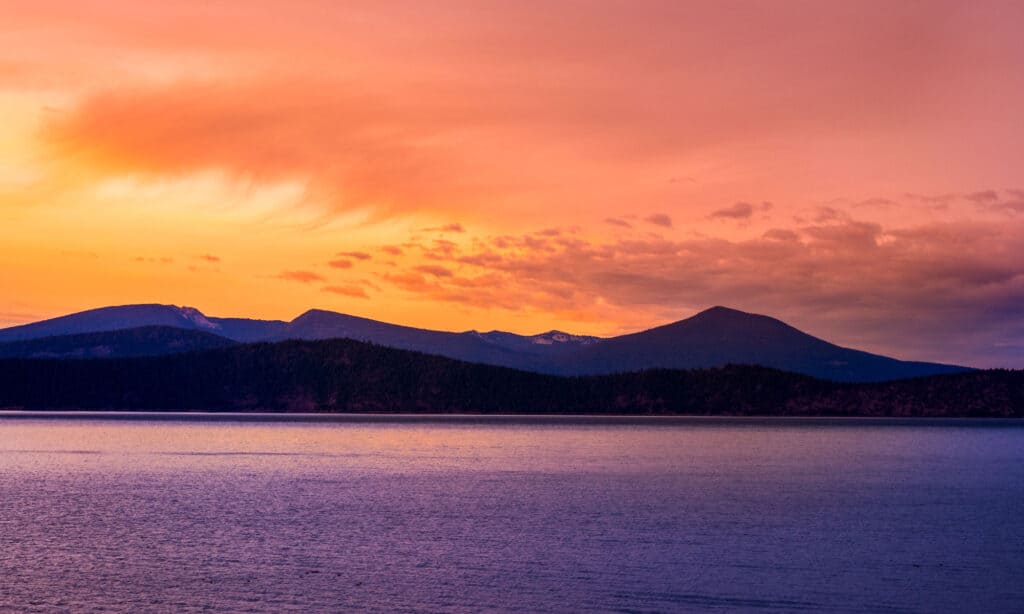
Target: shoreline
510, 419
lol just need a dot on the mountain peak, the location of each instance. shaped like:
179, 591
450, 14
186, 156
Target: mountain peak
719, 316
324, 317
313, 314
721, 311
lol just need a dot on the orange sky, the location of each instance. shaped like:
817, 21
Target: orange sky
603, 166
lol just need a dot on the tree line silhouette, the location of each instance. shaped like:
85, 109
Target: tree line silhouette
342, 375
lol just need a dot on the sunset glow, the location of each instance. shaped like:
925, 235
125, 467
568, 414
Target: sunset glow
853, 168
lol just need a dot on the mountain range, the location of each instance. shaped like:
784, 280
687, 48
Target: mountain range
713, 338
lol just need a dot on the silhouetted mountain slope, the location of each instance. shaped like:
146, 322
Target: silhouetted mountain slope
320, 324
134, 316
109, 318
712, 338
720, 336
501, 349
142, 341
351, 376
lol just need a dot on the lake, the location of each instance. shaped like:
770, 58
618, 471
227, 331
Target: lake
393, 514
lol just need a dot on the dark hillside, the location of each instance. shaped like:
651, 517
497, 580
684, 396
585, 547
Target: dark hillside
125, 343
349, 376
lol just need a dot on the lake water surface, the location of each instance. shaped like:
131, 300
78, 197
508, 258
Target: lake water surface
184, 513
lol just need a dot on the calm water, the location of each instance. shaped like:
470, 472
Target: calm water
530, 516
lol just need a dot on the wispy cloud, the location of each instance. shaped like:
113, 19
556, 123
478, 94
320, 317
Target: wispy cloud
659, 219
435, 270
454, 227
349, 290
738, 211
356, 255
848, 279
300, 276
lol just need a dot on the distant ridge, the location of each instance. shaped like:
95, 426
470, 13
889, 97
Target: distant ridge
110, 318
713, 338
134, 316
125, 343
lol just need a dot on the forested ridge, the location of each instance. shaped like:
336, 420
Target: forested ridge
342, 375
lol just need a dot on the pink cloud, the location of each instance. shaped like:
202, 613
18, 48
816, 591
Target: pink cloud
659, 219
614, 221
443, 124
740, 210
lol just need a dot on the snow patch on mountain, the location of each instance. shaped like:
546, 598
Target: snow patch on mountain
556, 336
196, 317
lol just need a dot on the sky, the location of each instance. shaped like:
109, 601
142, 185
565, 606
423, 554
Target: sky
855, 169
